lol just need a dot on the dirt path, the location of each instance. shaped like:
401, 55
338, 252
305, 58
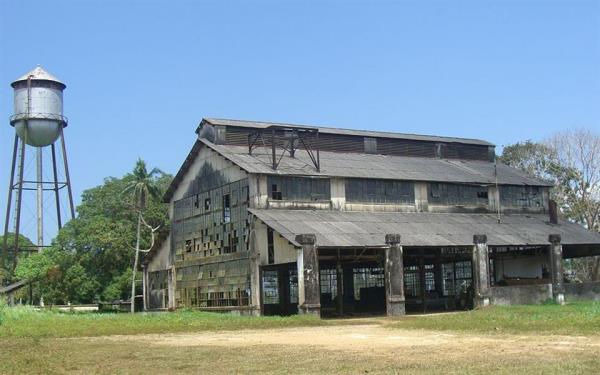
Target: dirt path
374, 338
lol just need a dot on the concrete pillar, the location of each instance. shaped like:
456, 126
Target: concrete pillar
394, 276
255, 281
481, 272
556, 268
309, 286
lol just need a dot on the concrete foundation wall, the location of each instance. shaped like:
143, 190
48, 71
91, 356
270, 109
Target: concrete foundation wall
521, 294
587, 291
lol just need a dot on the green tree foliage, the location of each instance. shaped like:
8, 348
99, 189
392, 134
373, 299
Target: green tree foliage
571, 160
91, 258
7, 259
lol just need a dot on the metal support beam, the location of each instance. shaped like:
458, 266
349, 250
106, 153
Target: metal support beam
18, 205
56, 188
9, 202
69, 189
39, 199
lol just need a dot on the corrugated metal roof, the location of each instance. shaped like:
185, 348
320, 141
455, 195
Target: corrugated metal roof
358, 229
38, 73
329, 130
335, 164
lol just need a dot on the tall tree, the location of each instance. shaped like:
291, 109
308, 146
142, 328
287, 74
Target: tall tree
143, 186
571, 160
90, 260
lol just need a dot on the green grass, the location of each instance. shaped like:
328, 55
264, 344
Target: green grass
28, 322
577, 318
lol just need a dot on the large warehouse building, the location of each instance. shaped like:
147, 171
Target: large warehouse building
271, 218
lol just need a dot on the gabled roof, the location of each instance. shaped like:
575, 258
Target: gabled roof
353, 165
339, 131
359, 229
336, 164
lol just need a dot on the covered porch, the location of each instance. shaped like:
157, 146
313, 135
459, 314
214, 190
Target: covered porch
347, 264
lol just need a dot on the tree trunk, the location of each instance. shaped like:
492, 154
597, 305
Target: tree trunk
135, 263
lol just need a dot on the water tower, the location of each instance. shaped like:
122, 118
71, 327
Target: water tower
39, 122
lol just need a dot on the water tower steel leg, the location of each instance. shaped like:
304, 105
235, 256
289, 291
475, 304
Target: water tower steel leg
64, 150
18, 205
56, 194
40, 199
9, 201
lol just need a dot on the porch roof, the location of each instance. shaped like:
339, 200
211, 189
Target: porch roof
368, 229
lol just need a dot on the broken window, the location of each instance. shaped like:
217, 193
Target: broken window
362, 190
293, 277
457, 194
207, 204
226, 208
367, 278
270, 287
328, 283
188, 246
521, 196
299, 188
275, 193
270, 246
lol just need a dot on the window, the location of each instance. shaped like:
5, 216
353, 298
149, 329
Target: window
299, 188
207, 204
370, 145
412, 282
293, 276
270, 246
457, 194
275, 193
270, 287
226, 208
367, 278
379, 191
188, 246
521, 196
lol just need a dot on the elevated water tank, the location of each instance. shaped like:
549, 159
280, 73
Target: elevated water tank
38, 107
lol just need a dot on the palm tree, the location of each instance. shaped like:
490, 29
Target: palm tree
142, 188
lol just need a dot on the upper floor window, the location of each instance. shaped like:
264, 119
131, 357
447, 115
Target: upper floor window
226, 208
379, 191
457, 194
298, 188
521, 196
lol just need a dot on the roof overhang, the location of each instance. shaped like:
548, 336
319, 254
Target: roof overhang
368, 229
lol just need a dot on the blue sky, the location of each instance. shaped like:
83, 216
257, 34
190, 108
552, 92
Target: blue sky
141, 74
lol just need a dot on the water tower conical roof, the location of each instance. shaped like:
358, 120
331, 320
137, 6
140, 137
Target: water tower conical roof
38, 73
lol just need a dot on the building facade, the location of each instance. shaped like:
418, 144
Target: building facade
281, 219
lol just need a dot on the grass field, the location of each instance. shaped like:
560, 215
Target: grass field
579, 318
518, 339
